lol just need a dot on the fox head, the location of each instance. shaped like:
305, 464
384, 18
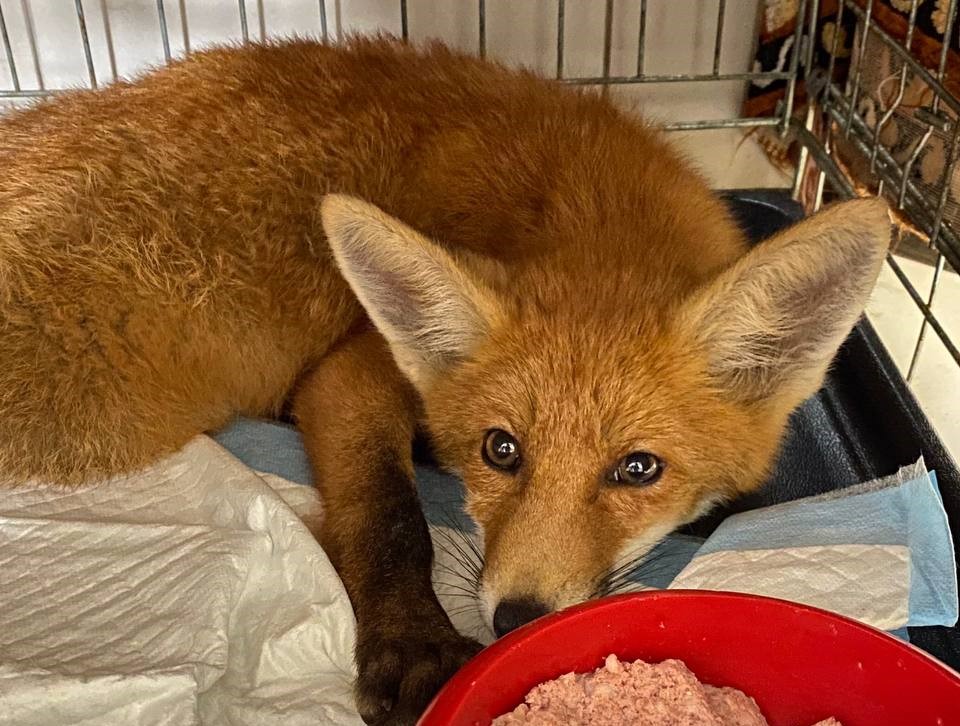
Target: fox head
587, 424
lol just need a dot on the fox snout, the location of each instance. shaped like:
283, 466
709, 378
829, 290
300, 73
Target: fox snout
532, 573
511, 614
547, 554
506, 608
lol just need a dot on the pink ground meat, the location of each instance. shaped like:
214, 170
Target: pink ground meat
636, 694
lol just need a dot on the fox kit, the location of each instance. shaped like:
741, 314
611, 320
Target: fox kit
382, 237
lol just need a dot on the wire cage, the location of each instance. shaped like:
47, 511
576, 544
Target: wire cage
878, 117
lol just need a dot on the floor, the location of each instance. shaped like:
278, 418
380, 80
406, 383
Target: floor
935, 382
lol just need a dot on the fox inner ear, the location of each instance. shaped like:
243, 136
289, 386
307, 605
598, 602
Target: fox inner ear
427, 307
772, 322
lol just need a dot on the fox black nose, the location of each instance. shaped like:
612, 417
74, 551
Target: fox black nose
511, 614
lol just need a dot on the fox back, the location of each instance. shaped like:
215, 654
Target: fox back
595, 350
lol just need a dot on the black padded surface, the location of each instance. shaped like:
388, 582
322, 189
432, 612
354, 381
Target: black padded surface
864, 423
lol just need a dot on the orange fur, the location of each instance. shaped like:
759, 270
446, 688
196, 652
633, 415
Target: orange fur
535, 260
161, 256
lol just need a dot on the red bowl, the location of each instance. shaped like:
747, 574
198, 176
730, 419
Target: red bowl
801, 664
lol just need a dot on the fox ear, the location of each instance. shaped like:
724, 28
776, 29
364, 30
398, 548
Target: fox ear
426, 306
772, 322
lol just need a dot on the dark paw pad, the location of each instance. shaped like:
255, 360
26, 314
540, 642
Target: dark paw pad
398, 676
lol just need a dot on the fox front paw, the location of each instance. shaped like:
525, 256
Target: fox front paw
399, 675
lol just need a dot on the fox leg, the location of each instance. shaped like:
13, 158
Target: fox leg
358, 415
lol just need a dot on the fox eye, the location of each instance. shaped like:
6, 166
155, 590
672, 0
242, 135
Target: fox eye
637, 469
501, 450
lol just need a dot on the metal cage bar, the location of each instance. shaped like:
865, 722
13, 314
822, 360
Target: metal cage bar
924, 324
794, 66
482, 27
859, 72
641, 36
108, 39
607, 37
812, 19
184, 25
85, 39
244, 29
164, 30
718, 39
8, 49
561, 12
